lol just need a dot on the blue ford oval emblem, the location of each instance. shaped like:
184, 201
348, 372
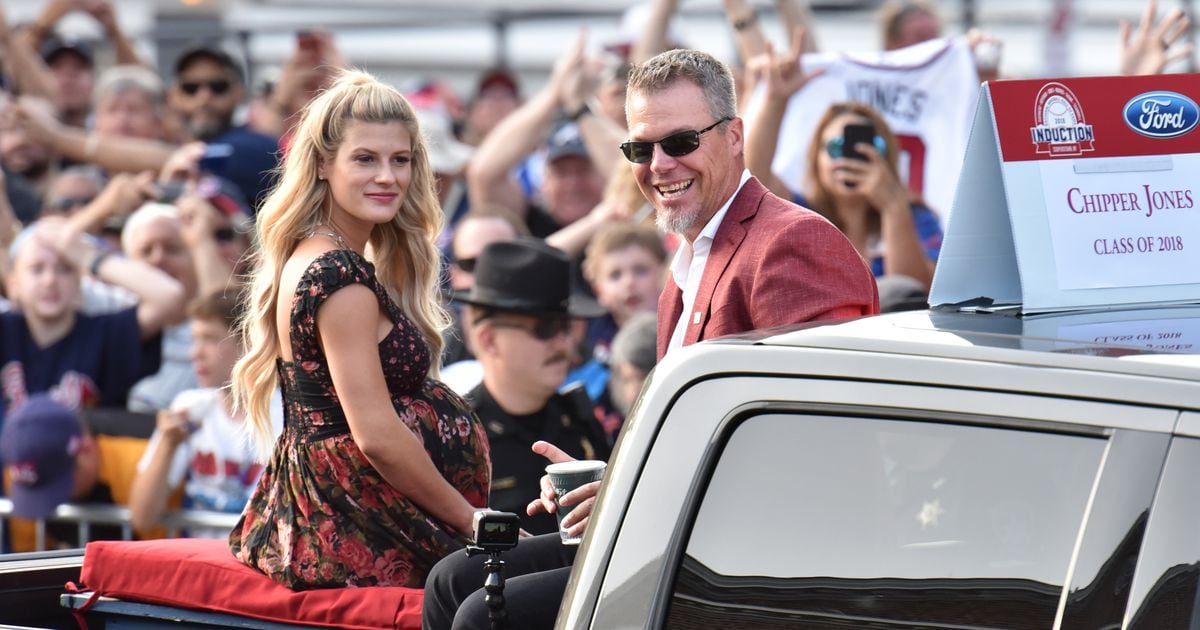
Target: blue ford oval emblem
1161, 114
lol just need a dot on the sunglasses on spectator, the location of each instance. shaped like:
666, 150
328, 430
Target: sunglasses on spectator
218, 87
836, 147
225, 234
66, 203
466, 264
674, 145
544, 328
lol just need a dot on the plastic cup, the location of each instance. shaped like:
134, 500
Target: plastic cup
566, 477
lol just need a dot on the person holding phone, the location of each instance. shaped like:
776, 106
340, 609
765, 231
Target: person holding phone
852, 177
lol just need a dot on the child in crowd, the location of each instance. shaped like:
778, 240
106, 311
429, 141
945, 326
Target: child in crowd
199, 443
626, 265
48, 345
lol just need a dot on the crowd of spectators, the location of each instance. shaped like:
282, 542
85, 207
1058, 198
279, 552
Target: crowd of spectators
130, 198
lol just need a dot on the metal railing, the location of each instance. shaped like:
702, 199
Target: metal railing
85, 515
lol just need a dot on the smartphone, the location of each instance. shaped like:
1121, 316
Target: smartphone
213, 160
855, 134
170, 192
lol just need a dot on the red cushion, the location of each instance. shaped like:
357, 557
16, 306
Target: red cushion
203, 574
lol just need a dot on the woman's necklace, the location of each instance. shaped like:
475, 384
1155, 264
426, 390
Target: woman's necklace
337, 238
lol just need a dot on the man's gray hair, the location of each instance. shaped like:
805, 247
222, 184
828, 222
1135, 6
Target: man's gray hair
701, 69
635, 342
124, 78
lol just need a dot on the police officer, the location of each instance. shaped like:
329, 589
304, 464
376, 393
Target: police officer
520, 312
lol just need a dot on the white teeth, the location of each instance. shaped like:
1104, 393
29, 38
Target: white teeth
674, 190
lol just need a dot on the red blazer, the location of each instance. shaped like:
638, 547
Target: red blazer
772, 263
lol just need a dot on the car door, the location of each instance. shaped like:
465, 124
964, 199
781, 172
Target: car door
838, 504
1166, 585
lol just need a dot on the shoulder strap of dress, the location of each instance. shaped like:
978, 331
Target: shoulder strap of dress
325, 275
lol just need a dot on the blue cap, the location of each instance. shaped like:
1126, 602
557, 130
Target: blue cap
565, 141
38, 444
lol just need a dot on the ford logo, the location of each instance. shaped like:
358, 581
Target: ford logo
1161, 114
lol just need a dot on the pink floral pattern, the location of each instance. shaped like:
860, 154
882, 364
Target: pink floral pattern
321, 515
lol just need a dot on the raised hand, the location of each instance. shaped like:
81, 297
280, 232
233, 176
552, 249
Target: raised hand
783, 75
1148, 50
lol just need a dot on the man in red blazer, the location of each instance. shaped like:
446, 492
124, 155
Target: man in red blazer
749, 259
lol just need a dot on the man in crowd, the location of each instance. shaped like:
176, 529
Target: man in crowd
520, 311
207, 90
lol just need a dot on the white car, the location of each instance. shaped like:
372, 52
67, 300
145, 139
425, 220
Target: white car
915, 470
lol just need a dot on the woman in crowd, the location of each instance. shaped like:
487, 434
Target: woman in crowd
350, 498
858, 188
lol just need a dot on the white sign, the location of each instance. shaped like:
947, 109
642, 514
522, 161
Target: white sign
1113, 228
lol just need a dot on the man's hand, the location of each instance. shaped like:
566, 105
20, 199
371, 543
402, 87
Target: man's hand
36, 117
124, 193
184, 163
583, 497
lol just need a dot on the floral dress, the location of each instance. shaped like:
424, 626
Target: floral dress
321, 515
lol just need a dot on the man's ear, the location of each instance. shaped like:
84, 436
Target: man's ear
483, 338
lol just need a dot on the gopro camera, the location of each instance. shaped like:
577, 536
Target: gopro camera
496, 531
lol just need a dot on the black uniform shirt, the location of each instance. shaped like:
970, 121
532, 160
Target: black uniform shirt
567, 421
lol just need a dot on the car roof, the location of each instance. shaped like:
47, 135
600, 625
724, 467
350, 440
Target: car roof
1160, 342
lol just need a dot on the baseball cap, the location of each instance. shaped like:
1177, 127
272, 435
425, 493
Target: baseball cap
56, 46
565, 141
498, 78
38, 444
447, 155
208, 51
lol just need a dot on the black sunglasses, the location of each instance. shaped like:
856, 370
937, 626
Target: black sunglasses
218, 87
224, 234
466, 264
544, 328
674, 145
67, 203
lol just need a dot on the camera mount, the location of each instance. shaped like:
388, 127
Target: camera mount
495, 532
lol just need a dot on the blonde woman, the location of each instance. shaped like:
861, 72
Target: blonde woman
379, 468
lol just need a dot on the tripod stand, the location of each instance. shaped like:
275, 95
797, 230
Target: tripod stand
493, 585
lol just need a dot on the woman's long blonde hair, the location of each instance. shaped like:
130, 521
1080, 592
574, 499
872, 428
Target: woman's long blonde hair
403, 250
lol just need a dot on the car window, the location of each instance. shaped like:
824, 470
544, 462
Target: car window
840, 522
1167, 582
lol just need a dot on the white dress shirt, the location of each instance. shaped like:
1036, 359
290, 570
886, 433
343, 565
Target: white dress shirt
687, 268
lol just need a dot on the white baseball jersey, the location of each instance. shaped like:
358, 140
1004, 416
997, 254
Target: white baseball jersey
926, 92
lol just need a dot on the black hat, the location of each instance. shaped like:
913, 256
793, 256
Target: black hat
526, 276
208, 51
56, 46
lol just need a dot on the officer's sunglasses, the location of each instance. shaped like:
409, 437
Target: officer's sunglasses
674, 145
544, 328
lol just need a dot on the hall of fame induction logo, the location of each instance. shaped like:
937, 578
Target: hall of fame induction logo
1060, 129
